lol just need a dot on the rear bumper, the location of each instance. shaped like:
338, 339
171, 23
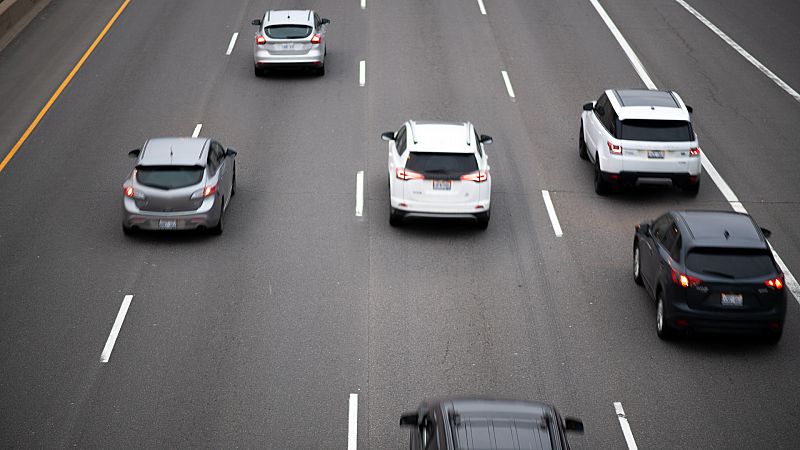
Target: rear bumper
654, 168
206, 216
681, 316
435, 209
632, 177
314, 58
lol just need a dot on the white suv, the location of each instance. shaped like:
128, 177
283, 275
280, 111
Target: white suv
438, 169
639, 134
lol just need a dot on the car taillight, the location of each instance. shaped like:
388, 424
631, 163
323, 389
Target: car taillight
205, 192
775, 283
316, 39
694, 151
405, 174
478, 177
685, 280
614, 149
261, 40
130, 192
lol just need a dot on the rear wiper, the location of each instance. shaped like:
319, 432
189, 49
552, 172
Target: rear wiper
436, 171
722, 274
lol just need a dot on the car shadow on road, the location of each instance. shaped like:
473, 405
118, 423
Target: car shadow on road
172, 237
725, 345
436, 228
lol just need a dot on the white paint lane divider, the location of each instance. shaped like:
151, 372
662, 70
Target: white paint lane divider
637, 64
551, 211
507, 81
197, 129
362, 73
352, 423
626, 427
233, 42
112, 337
724, 188
363, 4
482, 7
359, 193
750, 58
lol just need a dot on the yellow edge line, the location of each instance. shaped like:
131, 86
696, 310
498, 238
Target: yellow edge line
61, 88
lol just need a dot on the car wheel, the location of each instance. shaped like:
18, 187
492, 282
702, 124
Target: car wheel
773, 337
395, 218
233, 182
582, 145
128, 231
691, 189
601, 186
483, 220
637, 264
258, 72
220, 227
321, 71
665, 332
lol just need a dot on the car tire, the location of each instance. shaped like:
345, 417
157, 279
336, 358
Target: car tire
321, 70
128, 231
233, 182
773, 337
258, 72
582, 152
483, 220
395, 218
663, 329
691, 189
220, 227
637, 264
601, 186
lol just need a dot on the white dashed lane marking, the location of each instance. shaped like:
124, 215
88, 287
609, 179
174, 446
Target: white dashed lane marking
112, 337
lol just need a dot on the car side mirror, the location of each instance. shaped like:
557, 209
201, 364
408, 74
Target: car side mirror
388, 136
135, 153
644, 227
409, 419
588, 106
690, 109
767, 233
256, 22
486, 139
326, 21
230, 153
573, 424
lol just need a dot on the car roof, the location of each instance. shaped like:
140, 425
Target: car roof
648, 104
727, 229
289, 16
441, 137
174, 151
500, 424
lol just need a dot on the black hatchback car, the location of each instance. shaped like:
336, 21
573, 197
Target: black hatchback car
710, 271
487, 424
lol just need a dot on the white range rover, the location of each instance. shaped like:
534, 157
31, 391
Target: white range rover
438, 169
635, 135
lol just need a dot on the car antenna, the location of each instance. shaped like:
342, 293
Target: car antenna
170, 154
726, 234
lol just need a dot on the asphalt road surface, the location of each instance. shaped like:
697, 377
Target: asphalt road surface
259, 338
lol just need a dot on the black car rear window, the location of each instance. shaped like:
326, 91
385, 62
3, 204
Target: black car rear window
655, 130
169, 177
442, 165
731, 263
288, 31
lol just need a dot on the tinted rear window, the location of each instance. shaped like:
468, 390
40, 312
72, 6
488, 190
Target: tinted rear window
442, 165
169, 177
731, 263
288, 31
656, 130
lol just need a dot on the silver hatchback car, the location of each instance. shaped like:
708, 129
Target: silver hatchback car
179, 184
290, 39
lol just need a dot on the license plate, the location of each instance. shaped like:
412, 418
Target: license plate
441, 185
167, 224
732, 300
655, 154
287, 46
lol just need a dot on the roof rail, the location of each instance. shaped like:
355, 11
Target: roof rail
413, 131
309, 15
268, 13
469, 127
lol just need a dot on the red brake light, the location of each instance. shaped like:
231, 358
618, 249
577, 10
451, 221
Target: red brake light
209, 190
614, 149
685, 280
405, 174
316, 39
129, 191
478, 177
775, 283
694, 151
261, 40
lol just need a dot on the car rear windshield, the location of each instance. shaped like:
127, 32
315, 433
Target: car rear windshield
288, 31
731, 263
442, 165
169, 177
656, 130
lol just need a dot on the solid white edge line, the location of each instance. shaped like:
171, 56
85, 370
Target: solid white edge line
724, 188
359, 193
637, 64
626, 427
750, 58
363, 4
352, 423
551, 211
482, 7
362, 73
197, 129
112, 337
232, 43
507, 81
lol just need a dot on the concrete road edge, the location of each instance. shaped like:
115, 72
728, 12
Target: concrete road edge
15, 15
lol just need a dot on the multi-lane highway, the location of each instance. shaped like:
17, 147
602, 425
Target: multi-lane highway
261, 337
